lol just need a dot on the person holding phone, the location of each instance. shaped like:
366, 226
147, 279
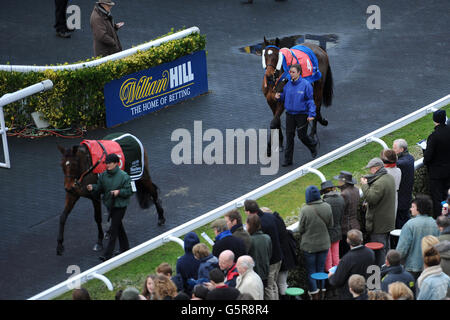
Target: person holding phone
106, 40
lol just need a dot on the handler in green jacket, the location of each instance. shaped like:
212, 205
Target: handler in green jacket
115, 185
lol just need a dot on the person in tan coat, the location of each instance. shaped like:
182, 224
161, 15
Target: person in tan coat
104, 30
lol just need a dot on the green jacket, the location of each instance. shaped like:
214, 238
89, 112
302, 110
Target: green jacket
115, 179
261, 252
379, 193
315, 220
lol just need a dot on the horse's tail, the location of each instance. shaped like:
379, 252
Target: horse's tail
143, 196
146, 192
328, 88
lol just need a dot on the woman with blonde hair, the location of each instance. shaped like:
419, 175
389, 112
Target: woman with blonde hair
165, 289
428, 242
400, 291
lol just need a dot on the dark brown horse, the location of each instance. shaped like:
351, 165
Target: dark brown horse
76, 164
323, 88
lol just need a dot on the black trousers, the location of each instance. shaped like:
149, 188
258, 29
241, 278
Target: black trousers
403, 215
299, 123
60, 15
117, 231
438, 190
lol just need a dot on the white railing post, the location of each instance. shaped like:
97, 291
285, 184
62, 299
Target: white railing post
13, 97
375, 139
317, 172
102, 278
174, 239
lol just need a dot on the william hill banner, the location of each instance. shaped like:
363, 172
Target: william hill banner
150, 90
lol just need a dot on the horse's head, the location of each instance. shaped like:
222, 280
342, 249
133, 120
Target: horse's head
272, 62
72, 166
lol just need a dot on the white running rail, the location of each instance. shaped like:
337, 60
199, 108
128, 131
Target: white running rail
115, 56
13, 97
255, 194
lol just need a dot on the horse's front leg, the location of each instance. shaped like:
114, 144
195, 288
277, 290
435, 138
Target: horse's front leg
98, 219
278, 113
71, 199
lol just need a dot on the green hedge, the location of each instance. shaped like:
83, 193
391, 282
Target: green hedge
76, 99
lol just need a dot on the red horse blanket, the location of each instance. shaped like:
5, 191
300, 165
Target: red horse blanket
300, 58
99, 149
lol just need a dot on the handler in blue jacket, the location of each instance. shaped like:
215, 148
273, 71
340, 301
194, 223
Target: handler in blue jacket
299, 104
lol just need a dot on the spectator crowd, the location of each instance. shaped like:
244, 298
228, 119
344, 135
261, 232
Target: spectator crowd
374, 243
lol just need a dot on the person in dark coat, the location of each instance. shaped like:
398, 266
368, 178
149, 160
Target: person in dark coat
405, 163
393, 271
221, 291
226, 241
60, 19
337, 203
269, 226
115, 185
288, 246
234, 224
355, 261
187, 266
349, 218
357, 287
437, 159
261, 248
207, 262
106, 40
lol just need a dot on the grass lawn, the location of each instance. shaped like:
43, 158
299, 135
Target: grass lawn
286, 200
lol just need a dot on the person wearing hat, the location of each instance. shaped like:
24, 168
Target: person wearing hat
104, 30
437, 159
349, 219
337, 203
115, 185
379, 192
389, 159
405, 162
314, 221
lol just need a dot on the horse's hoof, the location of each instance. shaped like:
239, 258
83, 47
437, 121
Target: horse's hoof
59, 250
323, 122
161, 221
107, 236
97, 247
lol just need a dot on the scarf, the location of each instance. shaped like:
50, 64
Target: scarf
372, 177
223, 234
430, 271
390, 165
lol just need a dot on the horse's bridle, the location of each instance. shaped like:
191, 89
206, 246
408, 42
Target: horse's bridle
79, 180
276, 75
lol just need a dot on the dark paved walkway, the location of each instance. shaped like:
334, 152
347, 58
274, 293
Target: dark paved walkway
380, 75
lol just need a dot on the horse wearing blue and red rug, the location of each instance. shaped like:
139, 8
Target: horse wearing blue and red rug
315, 68
82, 163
